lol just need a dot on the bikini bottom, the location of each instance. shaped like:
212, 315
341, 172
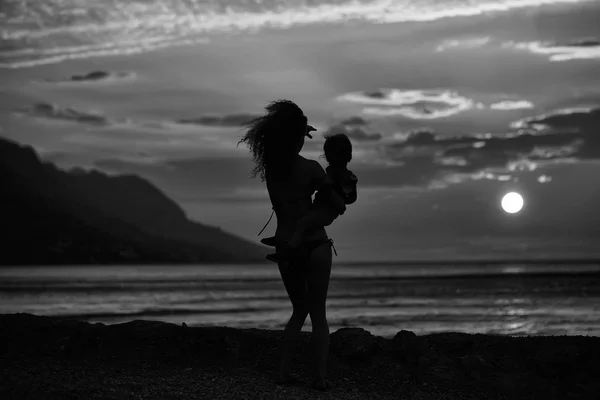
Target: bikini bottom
314, 244
304, 252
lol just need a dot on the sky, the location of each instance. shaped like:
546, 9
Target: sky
449, 107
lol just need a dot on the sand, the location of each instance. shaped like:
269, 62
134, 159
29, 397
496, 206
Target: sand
45, 357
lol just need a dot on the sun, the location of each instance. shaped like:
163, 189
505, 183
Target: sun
512, 202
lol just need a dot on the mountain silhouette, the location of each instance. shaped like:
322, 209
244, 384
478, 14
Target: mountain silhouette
51, 216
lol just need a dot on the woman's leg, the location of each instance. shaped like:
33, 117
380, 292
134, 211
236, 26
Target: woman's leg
317, 282
294, 280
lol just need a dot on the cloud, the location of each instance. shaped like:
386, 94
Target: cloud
575, 119
579, 123
36, 56
470, 43
438, 161
420, 137
229, 120
354, 121
587, 48
96, 118
413, 104
98, 76
355, 128
52, 111
360, 135
511, 105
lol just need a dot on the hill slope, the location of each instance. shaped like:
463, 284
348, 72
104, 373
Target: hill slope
50, 216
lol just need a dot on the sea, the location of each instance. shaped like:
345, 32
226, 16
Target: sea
506, 299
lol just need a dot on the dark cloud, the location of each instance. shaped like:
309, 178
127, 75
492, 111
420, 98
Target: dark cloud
426, 156
420, 137
582, 121
231, 120
512, 147
376, 94
52, 111
417, 172
583, 48
98, 76
583, 42
354, 121
355, 128
361, 135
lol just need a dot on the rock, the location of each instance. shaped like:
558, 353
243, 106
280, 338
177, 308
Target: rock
408, 348
354, 343
404, 347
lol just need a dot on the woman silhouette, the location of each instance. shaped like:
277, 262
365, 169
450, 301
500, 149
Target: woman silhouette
275, 141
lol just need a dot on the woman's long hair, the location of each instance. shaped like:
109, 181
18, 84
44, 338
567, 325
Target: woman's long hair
273, 139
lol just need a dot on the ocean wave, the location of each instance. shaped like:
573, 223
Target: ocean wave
37, 33
348, 287
157, 312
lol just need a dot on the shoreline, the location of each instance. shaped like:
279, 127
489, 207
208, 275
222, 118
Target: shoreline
51, 357
424, 262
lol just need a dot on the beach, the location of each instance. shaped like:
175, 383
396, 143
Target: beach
53, 358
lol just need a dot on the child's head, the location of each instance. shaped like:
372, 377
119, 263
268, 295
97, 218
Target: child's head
338, 149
